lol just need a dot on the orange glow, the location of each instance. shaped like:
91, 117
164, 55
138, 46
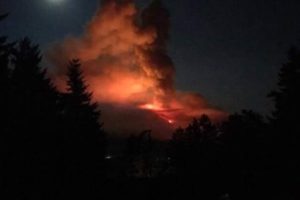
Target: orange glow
159, 111
148, 106
126, 63
151, 106
171, 121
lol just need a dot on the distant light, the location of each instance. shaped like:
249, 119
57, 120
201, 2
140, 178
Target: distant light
108, 157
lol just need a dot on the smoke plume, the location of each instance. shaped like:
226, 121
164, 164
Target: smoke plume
127, 67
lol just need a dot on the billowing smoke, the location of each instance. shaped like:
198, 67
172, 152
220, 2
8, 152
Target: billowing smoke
124, 55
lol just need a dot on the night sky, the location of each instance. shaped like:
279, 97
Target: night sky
229, 51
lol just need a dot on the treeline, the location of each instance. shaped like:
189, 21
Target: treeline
248, 156
51, 142
53, 145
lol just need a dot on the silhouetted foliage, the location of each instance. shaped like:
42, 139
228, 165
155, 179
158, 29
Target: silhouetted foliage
287, 97
31, 127
190, 145
243, 137
5, 50
84, 141
285, 128
195, 156
140, 155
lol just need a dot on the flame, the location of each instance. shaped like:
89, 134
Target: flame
148, 106
125, 62
159, 111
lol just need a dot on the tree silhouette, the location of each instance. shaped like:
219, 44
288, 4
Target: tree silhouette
84, 138
195, 155
5, 52
286, 98
285, 122
192, 143
140, 155
243, 137
32, 130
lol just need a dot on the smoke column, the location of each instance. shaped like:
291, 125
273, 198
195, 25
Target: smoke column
127, 67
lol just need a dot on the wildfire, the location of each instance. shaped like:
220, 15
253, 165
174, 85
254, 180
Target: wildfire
125, 62
148, 106
171, 121
159, 111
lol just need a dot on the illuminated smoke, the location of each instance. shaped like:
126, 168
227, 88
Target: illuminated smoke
126, 65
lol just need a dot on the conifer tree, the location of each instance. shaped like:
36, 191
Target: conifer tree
5, 51
84, 135
33, 122
190, 147
83, 113
287, 97
285, 121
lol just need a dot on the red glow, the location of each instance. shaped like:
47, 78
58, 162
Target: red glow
126, 63
171, 121
148, 106
159, 111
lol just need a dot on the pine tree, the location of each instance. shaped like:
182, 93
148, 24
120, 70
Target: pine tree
191, 146
5, 51
84, 137
195, 155
285, 121
287, 97
33, 122
84, 113
244, 160
34, 96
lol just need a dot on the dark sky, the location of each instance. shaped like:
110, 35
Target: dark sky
228, 50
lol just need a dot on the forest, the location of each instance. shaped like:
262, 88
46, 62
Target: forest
53, 145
